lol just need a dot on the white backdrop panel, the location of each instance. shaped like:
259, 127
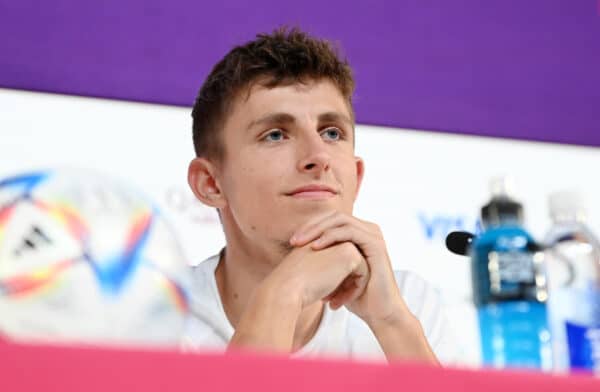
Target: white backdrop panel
418, 185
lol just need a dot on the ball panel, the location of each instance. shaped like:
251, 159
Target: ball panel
88, 258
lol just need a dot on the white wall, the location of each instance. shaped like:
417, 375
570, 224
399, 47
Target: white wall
418, 185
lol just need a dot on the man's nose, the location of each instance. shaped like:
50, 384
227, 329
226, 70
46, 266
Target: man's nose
314, 154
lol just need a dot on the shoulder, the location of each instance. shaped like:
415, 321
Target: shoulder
204, 271
203, 290
207, 326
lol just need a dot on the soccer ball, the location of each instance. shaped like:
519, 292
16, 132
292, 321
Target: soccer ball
86, 258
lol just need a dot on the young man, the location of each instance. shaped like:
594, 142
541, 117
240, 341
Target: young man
273, 130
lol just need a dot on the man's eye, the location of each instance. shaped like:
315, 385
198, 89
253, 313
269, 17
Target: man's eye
332, 134
274, 136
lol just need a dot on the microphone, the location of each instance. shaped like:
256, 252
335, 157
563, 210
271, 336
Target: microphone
459, 242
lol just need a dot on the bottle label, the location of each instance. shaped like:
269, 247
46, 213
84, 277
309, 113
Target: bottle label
584, 346
510, 269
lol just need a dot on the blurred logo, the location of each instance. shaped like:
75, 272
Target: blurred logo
436, 226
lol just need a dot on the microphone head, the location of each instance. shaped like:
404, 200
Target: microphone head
459, 242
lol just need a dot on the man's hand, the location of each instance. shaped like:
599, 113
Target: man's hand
305, 276
381, 301
337, 273
381, 306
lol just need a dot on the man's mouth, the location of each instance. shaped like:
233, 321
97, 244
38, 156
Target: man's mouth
315, 191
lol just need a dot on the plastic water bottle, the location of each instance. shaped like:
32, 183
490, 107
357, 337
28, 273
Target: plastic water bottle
509, 287
573, 265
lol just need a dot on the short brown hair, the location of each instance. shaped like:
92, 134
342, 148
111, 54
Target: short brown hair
285, 56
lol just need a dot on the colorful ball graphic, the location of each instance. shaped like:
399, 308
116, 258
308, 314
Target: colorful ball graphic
87, 258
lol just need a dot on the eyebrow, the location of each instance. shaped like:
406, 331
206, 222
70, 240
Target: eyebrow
286, 118
336, 117
273, 118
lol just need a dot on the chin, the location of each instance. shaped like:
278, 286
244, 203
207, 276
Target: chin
298, 215
306, 210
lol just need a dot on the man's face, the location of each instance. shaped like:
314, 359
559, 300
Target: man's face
289, 156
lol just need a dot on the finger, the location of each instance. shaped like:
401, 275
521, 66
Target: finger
330, 296
347, 283
338, 289
310, 224
347, 233
333, 293
343, 296
312, 229
352, 287
351, 291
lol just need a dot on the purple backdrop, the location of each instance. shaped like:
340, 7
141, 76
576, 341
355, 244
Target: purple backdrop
510, 68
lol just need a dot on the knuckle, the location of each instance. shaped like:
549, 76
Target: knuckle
327, 236
348, 250
340, 217
375, 227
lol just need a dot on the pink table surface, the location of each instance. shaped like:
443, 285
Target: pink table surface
41, 368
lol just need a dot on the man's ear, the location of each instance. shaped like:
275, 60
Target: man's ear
360, 173
203, 182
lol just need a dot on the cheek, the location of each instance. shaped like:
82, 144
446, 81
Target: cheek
256, 179
348, 176
254, 197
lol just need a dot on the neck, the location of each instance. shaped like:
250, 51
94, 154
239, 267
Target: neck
242, 267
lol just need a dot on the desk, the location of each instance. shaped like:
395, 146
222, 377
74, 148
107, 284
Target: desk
41, 368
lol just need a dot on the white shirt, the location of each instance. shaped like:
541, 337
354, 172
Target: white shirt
340, 332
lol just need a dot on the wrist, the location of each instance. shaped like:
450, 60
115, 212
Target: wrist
396, 314
401, 319
269, 320
402, 338
281, 294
